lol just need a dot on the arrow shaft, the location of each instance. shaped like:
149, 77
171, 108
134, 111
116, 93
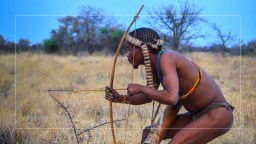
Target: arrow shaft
83, 90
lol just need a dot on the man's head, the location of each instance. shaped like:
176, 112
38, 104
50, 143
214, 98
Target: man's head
141, 37
147, 36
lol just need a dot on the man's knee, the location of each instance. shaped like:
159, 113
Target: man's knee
146, 131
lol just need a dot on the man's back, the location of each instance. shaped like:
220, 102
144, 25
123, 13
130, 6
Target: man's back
205, 93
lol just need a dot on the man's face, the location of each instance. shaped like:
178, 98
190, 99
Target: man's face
134, 55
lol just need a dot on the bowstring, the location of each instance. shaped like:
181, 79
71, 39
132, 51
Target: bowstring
128, 113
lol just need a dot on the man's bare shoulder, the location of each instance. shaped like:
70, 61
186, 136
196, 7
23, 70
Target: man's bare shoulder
168, 60
177, 60
171, 56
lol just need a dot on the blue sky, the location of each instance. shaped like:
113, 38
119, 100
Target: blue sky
34, 19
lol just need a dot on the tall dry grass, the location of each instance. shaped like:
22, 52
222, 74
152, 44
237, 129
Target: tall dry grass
34, 118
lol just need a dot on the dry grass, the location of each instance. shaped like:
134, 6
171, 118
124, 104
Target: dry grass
37, 117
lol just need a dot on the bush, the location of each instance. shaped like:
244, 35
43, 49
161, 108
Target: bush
50, 46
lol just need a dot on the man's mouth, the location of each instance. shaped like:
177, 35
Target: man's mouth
130, 60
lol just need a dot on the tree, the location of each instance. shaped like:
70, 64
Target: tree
50, 46
89, 23
251, 48
37, 47
23, 45
2, 41
10, 47
178, 26
89, 32
79, 33
110, 36
223, 38
65, 36
2, 44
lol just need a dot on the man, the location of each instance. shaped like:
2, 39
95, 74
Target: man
185, 84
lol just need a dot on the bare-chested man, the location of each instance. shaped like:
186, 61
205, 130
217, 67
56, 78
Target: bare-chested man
185, 84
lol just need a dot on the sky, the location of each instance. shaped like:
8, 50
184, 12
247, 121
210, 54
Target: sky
34, 19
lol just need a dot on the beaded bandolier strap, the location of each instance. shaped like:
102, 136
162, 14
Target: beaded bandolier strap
145, 52
147, 63
198, 80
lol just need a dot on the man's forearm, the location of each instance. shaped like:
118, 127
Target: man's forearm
138, 99
161, 96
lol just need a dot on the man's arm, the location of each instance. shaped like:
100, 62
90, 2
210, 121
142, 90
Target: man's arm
167, 96
138, 99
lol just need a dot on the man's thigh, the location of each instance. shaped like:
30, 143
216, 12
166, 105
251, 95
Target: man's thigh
205, 128
180, 122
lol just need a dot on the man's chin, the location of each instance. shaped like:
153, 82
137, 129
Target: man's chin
135, 66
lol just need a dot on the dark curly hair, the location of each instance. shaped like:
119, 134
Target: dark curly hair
146, 35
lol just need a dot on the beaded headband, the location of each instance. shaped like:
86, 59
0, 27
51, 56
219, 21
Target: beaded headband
137, 42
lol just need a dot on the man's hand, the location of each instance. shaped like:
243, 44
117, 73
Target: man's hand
112, 94
133, 89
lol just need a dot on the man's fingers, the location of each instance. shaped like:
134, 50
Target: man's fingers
109, 95
128, 91
108, 88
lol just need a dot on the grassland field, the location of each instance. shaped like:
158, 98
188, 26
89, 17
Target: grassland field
29, 115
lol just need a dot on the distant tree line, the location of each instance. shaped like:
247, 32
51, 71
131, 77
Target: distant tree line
91, 32
248, 49
23, 45
51, 46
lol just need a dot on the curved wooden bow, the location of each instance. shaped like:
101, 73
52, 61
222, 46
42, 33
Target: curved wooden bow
113, 72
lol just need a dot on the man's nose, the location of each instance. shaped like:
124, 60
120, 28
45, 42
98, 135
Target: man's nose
127, 54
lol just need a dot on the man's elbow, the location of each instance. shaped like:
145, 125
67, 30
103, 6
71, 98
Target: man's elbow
173, 100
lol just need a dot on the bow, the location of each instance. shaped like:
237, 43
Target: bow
113, 73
